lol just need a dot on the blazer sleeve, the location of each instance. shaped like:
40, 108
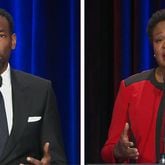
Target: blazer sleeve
51, 131
119, 118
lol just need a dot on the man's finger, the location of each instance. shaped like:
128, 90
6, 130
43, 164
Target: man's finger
46, 149
33, 161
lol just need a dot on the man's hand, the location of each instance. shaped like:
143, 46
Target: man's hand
44, 161
124, 148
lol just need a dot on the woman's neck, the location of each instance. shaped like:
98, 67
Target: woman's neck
160, 74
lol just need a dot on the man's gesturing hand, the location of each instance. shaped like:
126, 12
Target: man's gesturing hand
124, 148
45, 160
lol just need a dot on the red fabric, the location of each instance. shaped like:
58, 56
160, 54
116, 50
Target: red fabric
137, 103
162, 138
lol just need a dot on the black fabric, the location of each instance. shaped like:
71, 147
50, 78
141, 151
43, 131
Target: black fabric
145, 75
0, 81
4, 134
33, 96
158, 126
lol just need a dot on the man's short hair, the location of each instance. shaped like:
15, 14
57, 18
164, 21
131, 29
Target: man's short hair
9, 18
157, 17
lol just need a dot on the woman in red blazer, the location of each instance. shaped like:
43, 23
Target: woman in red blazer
137, 128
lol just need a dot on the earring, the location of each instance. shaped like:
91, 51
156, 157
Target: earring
154, 55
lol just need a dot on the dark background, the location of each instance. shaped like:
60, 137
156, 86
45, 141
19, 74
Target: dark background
99, 75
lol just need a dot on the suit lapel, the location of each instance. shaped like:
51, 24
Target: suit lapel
20, 112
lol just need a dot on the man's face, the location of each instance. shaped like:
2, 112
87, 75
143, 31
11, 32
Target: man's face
7, 43
159, 43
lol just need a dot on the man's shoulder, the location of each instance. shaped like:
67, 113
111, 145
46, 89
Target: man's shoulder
144, 75
28, 78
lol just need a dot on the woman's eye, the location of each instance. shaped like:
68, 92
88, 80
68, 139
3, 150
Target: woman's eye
158, 40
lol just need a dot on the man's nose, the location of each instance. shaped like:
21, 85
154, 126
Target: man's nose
163, 45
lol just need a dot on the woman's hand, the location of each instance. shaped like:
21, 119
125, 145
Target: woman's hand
124, 148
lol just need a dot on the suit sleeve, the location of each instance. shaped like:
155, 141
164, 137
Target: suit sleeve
51, 131
119, 118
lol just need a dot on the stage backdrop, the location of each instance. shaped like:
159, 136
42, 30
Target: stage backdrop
48, 46
117, 46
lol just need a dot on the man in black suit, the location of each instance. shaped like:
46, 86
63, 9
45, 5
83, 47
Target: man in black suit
32, 118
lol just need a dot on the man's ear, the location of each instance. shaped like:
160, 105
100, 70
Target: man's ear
13, 42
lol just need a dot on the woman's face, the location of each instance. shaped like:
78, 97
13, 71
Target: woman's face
159, 43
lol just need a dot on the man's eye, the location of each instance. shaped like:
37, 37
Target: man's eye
2, 36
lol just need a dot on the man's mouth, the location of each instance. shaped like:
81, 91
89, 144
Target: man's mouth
163, 56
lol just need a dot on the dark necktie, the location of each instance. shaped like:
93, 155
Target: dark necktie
3, 123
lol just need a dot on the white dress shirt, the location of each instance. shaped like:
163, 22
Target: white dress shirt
6, 91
